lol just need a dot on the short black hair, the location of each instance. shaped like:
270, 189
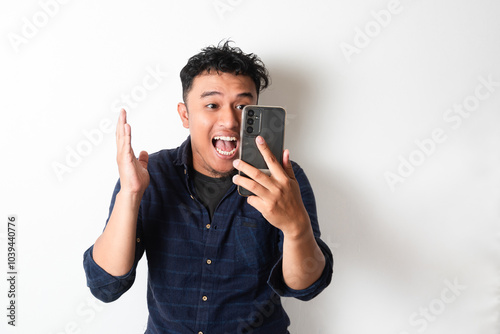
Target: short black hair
227, 59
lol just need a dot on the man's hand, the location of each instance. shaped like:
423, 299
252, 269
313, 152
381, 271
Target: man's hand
114, 250
134, 176
277, 196
279, 200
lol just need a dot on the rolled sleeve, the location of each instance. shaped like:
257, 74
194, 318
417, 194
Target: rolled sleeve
277, 282
104, 286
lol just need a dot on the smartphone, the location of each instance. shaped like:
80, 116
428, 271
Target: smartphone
265, 121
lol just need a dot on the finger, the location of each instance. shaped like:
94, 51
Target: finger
126, 143
287, 165
122, 119
257, 189
253, 173
124, 138
143, 159
257, 202
118, 125
120, 131
272, 162
127, 135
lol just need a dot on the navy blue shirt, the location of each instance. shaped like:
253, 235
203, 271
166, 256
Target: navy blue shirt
207, 276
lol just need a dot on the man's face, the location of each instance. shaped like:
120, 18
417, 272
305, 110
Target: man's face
212, 113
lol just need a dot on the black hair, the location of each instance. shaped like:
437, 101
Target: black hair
227, 59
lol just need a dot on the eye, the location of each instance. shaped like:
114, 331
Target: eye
241, 106
211, 106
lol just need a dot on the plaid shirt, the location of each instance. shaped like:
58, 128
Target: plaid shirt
207, 276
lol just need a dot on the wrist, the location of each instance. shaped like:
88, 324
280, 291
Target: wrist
299, 231
133, 199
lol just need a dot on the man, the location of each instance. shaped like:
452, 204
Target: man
217, 261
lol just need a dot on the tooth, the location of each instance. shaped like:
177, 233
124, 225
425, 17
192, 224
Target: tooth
225, 138
225, 152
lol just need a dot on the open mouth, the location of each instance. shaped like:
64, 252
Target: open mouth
225, 145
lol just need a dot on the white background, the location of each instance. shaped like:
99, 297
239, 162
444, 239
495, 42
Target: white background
352, 118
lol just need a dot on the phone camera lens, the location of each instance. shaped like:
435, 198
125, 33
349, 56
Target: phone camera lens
250, 121
251, 113
249, 129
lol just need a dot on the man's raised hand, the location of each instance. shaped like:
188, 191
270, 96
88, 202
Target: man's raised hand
134, 176
114, 250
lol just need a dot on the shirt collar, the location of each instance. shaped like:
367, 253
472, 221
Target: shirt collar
184, 154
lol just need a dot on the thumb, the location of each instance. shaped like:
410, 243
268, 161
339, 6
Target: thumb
143, 159
287, 165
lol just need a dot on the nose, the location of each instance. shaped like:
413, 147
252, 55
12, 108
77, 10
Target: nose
229, 118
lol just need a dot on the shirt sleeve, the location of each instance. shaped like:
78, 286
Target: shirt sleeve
276, 280
103, 285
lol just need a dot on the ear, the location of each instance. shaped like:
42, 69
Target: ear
183, 114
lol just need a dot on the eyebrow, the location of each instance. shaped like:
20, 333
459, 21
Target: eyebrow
215, 92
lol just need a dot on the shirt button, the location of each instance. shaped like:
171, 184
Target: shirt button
200, 332
204, 298
191, 196
207, 226
209, 261
138, 239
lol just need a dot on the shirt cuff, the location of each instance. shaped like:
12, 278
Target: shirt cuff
103, 285
277, 282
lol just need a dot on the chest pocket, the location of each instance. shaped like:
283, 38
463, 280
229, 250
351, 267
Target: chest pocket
256, 242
